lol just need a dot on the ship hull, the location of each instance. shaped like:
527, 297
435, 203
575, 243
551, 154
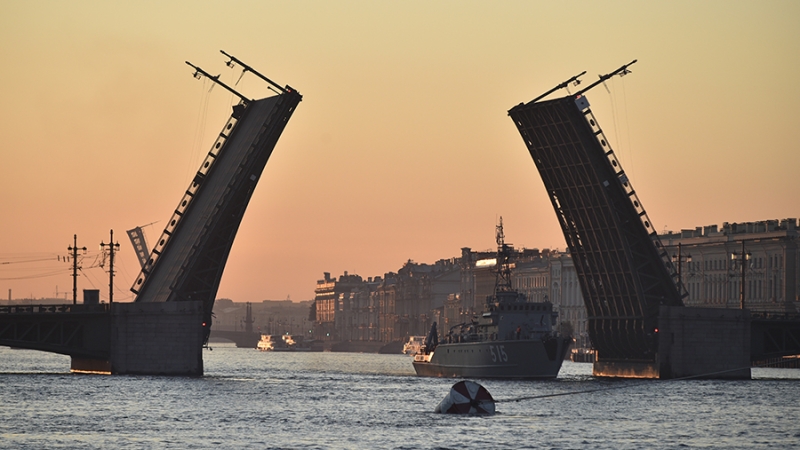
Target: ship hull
513, 359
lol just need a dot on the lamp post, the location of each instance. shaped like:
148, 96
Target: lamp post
742, 258
678, 260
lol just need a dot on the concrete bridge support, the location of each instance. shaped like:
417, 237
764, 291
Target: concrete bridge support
692, 342
152, 338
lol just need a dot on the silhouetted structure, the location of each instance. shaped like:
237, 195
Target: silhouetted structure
711, 264
614, 248
164, 330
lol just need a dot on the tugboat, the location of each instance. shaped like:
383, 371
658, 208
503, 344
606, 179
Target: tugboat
512, 338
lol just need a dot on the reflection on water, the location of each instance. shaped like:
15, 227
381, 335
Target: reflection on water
343, 400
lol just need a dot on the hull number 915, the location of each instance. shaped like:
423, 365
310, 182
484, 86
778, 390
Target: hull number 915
498, 353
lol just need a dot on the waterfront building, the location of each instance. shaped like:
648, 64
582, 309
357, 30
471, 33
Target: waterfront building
550, 275
422, 290
710, 259
567, 298
384, 297
388, 308
453, 291
333, 305
355, 318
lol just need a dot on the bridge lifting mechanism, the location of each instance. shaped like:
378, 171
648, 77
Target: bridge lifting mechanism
232, 62
575, 81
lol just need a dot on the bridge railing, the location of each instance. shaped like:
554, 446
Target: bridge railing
208, 162
52, 309
626, 185
774, 316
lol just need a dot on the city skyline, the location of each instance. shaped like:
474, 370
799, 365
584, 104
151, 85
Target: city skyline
402, 147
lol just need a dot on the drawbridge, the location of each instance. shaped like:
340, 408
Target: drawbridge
164, 330
187, 261
624, 271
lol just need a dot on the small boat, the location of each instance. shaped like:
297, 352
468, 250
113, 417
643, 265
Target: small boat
413, 345
511, 339
582, 355
287, 343
270, 343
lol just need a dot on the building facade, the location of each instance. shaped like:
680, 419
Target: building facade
388, 308
340, 306
453, 291
753, 264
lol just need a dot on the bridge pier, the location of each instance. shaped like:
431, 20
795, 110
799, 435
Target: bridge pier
151, 339
163, 338
692, 342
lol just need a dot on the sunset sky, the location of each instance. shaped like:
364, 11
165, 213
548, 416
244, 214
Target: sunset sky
401, 148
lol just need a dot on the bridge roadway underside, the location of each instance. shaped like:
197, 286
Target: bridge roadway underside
121, 338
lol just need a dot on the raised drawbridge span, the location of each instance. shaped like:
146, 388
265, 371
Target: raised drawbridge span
624, 272
163, 331
637, 321
187, 261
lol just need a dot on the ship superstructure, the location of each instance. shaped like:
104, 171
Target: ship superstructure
512, 338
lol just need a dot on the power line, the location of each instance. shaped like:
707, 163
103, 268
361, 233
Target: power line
52, 258
41, 275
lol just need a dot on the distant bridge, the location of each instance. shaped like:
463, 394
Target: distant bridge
242, 339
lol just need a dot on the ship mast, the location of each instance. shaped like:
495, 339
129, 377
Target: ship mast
503, 280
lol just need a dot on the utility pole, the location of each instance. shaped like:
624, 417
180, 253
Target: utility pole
74, 249
112, 247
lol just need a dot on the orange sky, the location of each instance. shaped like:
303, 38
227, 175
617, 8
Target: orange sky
402, 147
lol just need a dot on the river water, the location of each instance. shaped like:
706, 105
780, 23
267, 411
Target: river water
266, 400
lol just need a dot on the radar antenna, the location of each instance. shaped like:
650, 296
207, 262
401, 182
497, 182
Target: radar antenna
503, 280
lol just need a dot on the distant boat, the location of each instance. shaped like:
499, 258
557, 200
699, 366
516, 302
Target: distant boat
582, 355
287, 343
413, 345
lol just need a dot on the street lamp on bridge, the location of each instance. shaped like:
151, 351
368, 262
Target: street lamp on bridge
678, 260
742, 259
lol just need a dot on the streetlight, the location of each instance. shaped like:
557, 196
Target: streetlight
742, 258
678, 260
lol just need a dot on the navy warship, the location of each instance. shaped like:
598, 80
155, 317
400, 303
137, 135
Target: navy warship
512, 338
